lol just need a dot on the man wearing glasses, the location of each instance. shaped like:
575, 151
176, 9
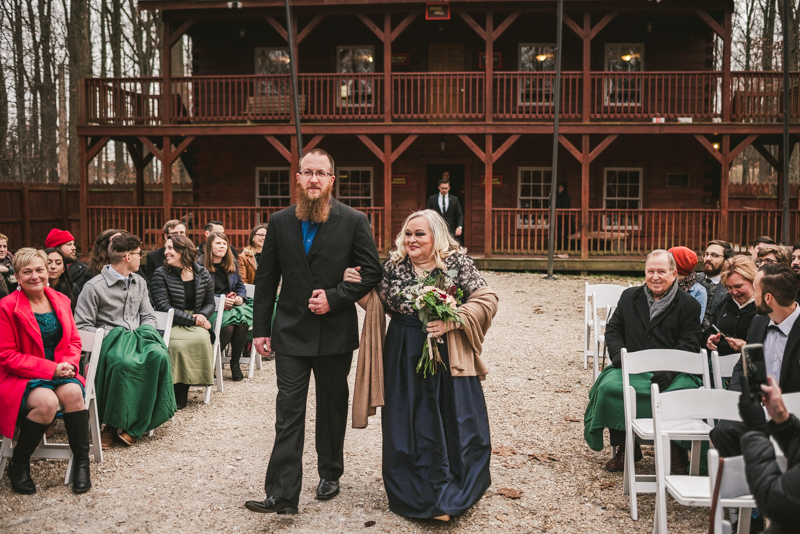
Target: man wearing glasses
155, 258
772, 254
308, 246
717, 251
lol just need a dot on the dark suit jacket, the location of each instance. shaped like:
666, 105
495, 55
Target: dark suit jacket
789, 381
630, 327
454, 216
719, 293
345, 240
155, 259
79, 273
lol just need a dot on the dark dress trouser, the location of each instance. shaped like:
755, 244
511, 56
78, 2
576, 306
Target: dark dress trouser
725, 437
285, 471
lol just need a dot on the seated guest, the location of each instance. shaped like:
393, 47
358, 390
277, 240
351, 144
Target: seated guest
777, 492
65, 243
777, 328
155, 258
6, 265
58, 275
716, 253
686, 260
248, 259
187, 287
653, 316
238, 315
758, 243
772, 254
133, 381
99, 256
217, 228
736, 311
40, 350
796, 267
3, 287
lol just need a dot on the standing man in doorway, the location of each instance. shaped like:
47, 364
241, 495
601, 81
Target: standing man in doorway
308, 246
448, 207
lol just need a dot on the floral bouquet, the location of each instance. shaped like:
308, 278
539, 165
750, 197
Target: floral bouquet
434, 298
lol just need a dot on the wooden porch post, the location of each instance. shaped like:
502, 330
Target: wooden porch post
294, 165
26, 216
781, 192
726, 67
585, 197
166, 72
723, 186
83, 173
587, 78
166, 176
487, 207
489, 76
64, 207
387, 192
387, 67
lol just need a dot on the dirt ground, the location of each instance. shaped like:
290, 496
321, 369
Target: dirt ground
196, 472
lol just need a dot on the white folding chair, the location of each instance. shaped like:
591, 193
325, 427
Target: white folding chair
255, 357
722, 367
792, 403
641, 429
164, 324
727, 482
675, 407
588, 315
219, 301
91, 342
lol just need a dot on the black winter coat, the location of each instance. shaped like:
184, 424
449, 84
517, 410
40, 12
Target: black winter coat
166, 291
79, 272
675, 328
789, 381
732, 321
777, 494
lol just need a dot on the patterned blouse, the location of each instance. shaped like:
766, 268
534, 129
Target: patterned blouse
397, 277
52, 332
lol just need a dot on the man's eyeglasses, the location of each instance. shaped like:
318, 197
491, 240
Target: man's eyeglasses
764, 261
140, 253
319, 174
711, 255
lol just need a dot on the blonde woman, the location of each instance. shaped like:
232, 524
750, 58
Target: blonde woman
436, 445
735, 312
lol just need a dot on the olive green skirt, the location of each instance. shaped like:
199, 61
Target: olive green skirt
191, 355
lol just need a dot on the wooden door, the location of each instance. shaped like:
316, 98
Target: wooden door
445, 92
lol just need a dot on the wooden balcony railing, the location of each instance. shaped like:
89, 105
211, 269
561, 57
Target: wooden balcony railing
145, 222
754, 96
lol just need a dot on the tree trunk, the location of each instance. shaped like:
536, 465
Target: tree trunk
20, 90
792, 44
63, 147
80, 66
116, 65
4, 159
35, 83
767, 34
47, 94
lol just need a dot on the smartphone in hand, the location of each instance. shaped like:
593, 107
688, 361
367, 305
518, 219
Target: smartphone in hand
755, 368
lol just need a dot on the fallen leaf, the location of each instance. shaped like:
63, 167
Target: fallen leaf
606, 485
501, 518
572, 419
503, 451
511, 466
369, 523
542, 457
510, 493
563, 391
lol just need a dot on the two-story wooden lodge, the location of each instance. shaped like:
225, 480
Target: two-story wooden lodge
401, 91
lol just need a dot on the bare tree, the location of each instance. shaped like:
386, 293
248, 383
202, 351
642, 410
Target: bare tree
80, 66
47, 94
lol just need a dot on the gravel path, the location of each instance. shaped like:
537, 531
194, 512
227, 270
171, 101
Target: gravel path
196, 472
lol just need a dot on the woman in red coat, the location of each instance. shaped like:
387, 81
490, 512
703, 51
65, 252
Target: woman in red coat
39, 352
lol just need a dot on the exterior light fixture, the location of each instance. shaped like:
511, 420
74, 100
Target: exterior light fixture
369, 58
443, 143
541, 57
716, 146
627, 57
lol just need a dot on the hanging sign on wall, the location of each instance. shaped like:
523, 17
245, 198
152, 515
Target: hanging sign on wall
437, 11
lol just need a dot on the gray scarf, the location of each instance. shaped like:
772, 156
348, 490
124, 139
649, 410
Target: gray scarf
659, 306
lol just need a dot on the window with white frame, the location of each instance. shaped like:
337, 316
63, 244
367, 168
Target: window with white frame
536, 58
354, 186
621, 89
273, 61
533, 193
355, 90
622, 190
273, 187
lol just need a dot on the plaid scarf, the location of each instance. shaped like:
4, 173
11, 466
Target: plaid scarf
687, 282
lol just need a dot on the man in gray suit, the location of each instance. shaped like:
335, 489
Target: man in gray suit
717, 251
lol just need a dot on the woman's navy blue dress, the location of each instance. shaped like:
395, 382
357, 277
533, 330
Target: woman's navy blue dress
436, 444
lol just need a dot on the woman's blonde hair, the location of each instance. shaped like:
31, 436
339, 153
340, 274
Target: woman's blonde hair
26, 256
444, 244
741, 265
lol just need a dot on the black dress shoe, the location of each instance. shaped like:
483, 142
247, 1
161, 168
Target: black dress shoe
272, 505
327, 489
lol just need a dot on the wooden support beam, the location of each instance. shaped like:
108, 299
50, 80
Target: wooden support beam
487, 206
505, 146
282, 150
570, 148
96, 147
311, 145
135, 150
371, 25
278, 28
147, 159
505, 24
740, 147
709, 20
83, 176
585, 140
475, 148
488, 90
371, 146
178, 151
586, 108
708, 146
724, 186
152, 148
294, 166
388, 159
403, 146
767, 155
387, 67
403, 25
310, 27
602, 146
166, 176
183, 28
472, 24
726, 66
166, 73
572, 25
602, 24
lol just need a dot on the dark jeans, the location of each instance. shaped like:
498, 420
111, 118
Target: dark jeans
725, 437
285, 471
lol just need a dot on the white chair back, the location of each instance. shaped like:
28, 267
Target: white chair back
164, 323
589, 310
91, 343
792, 403
251, 290
722, 367
727, 480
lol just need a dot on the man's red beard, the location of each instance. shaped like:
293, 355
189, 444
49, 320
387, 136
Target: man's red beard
315, 210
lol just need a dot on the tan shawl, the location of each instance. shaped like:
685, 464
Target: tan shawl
464, 347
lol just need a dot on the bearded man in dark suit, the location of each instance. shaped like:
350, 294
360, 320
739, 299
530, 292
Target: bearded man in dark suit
307, 248
448, 207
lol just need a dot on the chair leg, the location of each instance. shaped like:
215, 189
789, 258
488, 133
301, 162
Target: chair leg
629, 473
68, 476
587, 346
744, 520
94, 427
255, 354
5, 454
251, 365
208, 395
218, 360
694, 463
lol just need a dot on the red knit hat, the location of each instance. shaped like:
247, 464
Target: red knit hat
57, 237
685, 258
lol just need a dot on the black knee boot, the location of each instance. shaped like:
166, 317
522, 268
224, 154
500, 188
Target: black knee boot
19, 469
181, 395
236, 370
77, 425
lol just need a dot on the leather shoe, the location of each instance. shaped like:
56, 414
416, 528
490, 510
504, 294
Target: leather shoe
617, 463
127, 439
327, 489
107, 436
272, 505
679, 460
